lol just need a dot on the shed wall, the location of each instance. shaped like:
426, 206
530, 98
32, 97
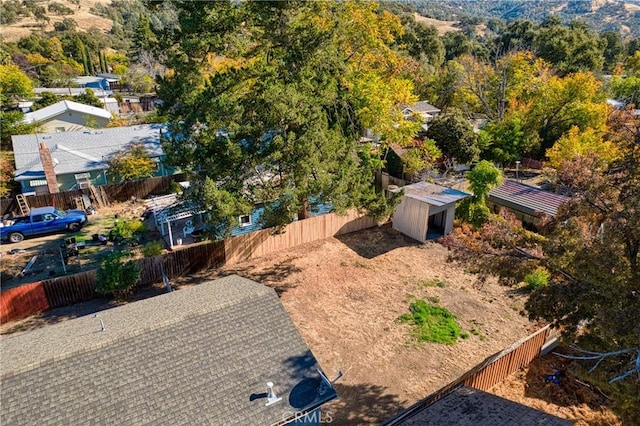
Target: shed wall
411, 218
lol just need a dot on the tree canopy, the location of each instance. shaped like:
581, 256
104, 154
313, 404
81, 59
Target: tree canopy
270, 101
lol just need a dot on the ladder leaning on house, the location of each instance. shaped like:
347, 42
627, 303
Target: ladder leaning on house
23, 205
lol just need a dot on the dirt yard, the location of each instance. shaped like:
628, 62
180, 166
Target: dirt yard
47, 248
345, 295
570, 398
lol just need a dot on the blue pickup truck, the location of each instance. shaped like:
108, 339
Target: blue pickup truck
43, 220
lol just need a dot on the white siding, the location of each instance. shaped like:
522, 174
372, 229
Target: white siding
72, 121
411, 218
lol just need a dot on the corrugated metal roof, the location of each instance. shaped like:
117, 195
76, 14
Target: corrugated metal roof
432, 194
526, 199
62, 107
75, 152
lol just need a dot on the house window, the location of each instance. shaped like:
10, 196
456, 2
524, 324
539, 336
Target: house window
244, 220
60, 129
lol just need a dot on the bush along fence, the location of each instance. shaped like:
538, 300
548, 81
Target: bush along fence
118, 192
29, 299
488, 373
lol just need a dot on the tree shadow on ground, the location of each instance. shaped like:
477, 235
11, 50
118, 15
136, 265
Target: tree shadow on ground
550, 379
373, 242
362, 404
272, 277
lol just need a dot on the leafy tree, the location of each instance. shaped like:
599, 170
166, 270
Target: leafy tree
518, 36
508, 140
6, 173
590, 251
454, 136
614, 51
59, 9
67, 24
455, 44
131, 164
626, 89
117, 276
559, 103
578, 143
269, 101
422, 42
14, 84
570, 48
89, 98
40, 14
482, 178
12, 123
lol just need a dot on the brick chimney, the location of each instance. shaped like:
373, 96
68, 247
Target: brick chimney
47, 166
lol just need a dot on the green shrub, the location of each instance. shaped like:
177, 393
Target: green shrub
117, 276
175, 188
152, 248
432, 323
537, 279
126, 229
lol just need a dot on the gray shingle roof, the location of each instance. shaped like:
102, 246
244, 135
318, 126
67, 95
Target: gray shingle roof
81, 151
193, 356
466, 406
526, 199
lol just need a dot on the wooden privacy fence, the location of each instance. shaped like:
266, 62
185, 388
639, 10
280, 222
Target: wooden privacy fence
119, 192
488, 373
19, 302
263, 242
65, 291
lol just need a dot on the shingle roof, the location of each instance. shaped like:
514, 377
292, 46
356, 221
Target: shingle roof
77, 152
432, 194
526, 199
62, 107
470, 407
193, 356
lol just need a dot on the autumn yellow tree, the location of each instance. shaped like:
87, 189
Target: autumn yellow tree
131, 164
581, 143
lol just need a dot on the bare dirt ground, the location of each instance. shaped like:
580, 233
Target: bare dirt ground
570, 398
441, 26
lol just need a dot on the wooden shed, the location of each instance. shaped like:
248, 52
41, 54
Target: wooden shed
426, 211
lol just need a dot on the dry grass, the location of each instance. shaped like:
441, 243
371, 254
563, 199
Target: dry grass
82, 16
569, 399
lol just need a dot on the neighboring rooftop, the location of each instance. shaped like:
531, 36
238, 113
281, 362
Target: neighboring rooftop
526, 199
432, 194
201, 355
62, 107
466, 406
73, 91
424, 107
75, 152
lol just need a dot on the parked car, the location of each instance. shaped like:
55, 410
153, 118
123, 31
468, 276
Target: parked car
42, 220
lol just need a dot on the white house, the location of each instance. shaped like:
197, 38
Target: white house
65, 116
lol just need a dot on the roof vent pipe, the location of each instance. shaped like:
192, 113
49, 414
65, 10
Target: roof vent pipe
272, 398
